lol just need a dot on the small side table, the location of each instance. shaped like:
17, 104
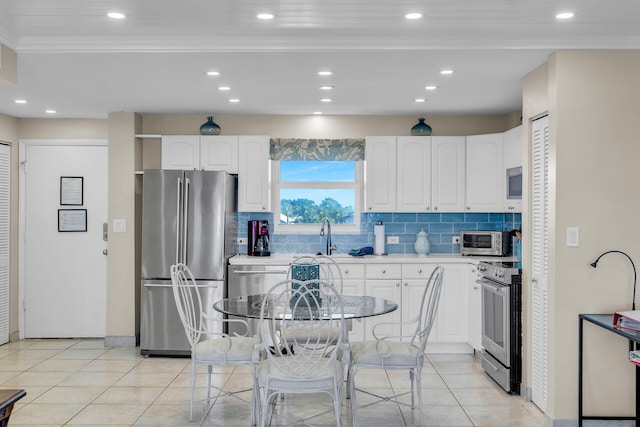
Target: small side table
7, 399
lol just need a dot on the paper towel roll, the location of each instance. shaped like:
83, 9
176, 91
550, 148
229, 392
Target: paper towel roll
378, 234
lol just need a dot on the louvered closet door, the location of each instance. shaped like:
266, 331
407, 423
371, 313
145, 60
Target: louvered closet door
539, 250
5, 153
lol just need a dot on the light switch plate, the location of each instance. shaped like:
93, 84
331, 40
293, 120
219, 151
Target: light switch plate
119, 225
573, 236
393, 240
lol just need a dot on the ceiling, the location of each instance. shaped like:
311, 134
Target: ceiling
75, 60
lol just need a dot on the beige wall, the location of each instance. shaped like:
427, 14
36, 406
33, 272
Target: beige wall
281, 126
123, 276
592, 98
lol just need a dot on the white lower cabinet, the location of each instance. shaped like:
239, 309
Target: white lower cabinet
383, 281
475, 309
414, 280
450, 330
353, 284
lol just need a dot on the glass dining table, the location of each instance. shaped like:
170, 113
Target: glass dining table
355, 307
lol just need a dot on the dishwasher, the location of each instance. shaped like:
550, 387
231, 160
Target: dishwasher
250, 280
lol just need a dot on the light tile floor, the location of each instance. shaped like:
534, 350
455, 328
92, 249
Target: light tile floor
82, 383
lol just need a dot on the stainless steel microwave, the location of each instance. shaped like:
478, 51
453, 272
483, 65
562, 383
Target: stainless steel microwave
491, 243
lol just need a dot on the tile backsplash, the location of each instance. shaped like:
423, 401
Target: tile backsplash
440, 228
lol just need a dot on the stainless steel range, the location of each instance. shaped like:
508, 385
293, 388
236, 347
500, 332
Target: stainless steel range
502, 322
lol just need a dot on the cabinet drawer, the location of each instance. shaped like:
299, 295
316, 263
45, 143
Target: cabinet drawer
417, 271
384, 271
352, 271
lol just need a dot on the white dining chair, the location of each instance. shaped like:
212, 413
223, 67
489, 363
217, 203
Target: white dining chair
387, 352
208, 346
328, 271
320, 368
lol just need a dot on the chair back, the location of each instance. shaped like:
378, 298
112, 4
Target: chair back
329, 269
292, 316
428, 308
188, 301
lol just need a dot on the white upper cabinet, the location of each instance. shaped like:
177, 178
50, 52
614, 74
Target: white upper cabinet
380, 176
448, 173
181, 152
485, 173
512, 140
219, 152
210, 152
414, 174
254, 174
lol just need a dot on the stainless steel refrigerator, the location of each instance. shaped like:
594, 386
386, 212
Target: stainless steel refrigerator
189, 217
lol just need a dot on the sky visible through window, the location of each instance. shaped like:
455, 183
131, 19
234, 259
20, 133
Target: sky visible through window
317, 171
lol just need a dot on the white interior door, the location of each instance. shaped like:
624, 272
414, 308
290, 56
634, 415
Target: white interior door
65, 273
539, 255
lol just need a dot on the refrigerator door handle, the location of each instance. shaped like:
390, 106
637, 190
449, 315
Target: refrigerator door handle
185, 231
178, 219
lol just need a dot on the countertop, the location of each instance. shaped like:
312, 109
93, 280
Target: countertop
285, 259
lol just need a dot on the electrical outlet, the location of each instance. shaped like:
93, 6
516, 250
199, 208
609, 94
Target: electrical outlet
241, 241
455, 240
393, 240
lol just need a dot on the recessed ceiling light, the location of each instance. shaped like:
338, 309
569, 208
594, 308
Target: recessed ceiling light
116, 15
446, 72
325, 73
234, 100
325, 87
431, 87
413, 15
20, 101
213, 73
50, 111
326, 100
317, 113
419, 100
265, 16
224, 88
565, 15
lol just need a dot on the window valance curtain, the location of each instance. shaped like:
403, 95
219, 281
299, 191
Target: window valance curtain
317, 149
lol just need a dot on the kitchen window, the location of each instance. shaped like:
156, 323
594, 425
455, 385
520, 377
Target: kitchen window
307, 191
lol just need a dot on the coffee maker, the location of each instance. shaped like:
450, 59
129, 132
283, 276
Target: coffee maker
258, 238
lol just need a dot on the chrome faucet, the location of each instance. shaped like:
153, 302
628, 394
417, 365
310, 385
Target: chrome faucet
330, 247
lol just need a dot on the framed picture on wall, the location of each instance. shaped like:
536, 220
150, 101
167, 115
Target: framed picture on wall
71, 190
72, 220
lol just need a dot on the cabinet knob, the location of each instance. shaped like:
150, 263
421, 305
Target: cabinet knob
406, 284
419, 271
468, 208
397, 285
346, 271
428, 208
384, 271
435, 208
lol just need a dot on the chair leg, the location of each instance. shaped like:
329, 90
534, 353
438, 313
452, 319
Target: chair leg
209, 370
352, 394
193, 388
411, 378
419, 386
